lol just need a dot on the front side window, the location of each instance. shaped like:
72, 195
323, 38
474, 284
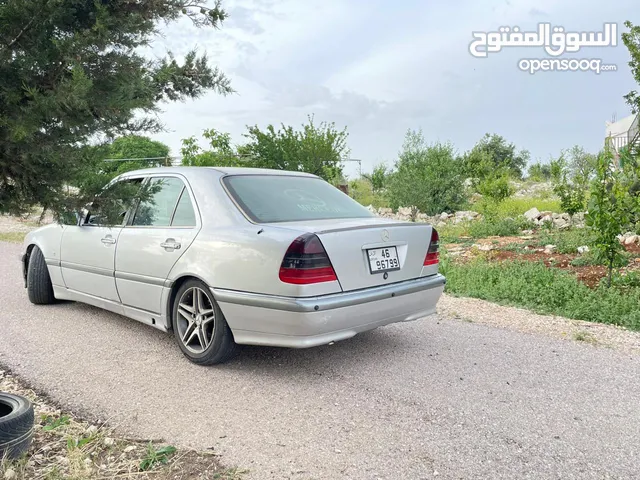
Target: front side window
282, 198
157, 210
111, 206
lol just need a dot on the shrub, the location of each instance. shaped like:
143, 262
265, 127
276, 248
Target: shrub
427, 177
362, 192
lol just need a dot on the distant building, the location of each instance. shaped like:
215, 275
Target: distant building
623, 133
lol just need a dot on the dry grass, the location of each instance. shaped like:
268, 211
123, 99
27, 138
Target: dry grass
13, 237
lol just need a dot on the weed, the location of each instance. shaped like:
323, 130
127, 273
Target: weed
156, 456
51, 423
583, 336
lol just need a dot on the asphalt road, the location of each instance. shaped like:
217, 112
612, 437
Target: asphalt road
435, 398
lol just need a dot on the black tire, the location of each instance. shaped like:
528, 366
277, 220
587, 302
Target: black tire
39, 285
16, 425
222, 346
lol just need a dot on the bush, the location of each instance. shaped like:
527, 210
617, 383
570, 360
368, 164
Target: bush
362, 192
427, 177
544, 290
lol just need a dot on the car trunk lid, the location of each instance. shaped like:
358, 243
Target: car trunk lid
348, 244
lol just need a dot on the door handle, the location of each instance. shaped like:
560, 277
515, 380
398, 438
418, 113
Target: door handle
108, 240
170, 244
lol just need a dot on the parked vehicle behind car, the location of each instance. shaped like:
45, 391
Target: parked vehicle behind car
226, 256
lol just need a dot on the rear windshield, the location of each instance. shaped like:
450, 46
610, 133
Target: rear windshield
280, 198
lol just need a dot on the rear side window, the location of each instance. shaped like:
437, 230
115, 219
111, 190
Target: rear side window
158, 210
280, 198
184, 215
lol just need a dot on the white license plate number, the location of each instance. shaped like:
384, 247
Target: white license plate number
383, 259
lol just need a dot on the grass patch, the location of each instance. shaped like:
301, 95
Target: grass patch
566, 241
452, 233
501, 227
14, 237
544, 290
512, 207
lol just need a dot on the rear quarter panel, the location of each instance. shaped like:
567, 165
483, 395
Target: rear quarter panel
239, 258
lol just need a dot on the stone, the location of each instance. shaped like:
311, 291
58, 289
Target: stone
583, 249
444, 216
632, 239
484, 247
10, 474
545, 219
549, 249
527, 232
532, 214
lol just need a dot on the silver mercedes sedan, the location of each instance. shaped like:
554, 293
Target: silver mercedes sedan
227, 256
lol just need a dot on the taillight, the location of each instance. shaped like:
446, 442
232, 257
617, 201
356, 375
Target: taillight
432, 252
306, 261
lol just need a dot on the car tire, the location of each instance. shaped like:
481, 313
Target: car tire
221, 345
16, 425
39, 285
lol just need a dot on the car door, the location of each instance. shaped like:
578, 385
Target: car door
87, 253
155, 237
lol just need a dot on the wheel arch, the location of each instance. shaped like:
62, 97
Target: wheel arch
173, 292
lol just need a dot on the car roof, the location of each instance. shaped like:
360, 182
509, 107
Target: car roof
219, 171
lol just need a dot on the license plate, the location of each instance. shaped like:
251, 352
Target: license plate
383, 259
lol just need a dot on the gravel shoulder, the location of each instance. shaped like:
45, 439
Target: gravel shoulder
521, 320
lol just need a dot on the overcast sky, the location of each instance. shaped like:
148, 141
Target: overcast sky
380, 67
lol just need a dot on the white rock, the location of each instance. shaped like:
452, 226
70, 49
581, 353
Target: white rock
444, 216
583, 249
632, 239
130, 448
549, 249
484, 247
532, 214
92, 429
10, 474
108, 441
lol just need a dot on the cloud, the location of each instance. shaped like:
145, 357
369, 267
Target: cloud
535, 12
380, 68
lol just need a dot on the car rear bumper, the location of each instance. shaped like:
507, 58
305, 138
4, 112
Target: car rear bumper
257, 319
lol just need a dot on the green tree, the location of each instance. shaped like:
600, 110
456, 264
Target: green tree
427, 178
378, 177
631, 39
609, 211
571, 173
493, 153
581, 164
134, 146
317, 149
221, 152
539, 172
72, 71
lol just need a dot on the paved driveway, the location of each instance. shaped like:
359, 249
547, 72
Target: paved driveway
435, 398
